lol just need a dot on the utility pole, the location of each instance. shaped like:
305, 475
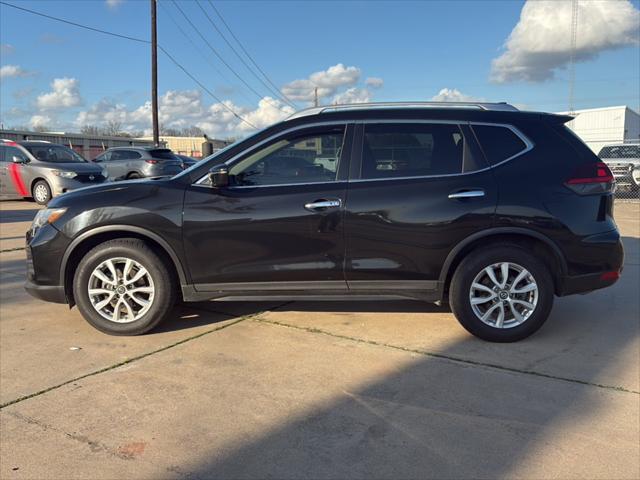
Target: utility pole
572, 58
316, 97
154, 74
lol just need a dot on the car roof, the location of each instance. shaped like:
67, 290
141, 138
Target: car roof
138, 147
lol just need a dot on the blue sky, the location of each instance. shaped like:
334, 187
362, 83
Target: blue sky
412, 50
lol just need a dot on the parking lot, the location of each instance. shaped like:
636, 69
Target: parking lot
318, 390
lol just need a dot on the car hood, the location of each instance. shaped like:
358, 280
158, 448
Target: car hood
79, 195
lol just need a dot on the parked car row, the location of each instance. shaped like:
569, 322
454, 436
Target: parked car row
42, 170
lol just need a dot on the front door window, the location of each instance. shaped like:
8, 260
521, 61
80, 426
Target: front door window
311, 158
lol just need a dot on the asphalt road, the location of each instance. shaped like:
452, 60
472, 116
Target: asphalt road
318, 390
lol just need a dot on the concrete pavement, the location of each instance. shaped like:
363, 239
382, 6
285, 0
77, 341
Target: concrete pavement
319, 390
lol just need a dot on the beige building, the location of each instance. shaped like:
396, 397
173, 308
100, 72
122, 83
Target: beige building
191, 146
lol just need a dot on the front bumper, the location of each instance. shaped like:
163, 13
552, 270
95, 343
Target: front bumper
60, 185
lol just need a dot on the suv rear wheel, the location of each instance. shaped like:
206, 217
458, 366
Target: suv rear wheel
123, 288
501, 293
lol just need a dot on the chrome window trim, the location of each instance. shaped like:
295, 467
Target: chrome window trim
529, 145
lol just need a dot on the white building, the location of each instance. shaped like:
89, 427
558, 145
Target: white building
598, 127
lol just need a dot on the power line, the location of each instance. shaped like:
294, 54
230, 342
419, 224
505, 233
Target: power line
245, 50
140, 40
273, 90
207, 58
218, 54
75, 24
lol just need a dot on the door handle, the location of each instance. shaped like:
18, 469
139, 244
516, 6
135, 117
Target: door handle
467, 194
322, 205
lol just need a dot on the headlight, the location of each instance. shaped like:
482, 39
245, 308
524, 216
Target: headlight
64, 173
46, 215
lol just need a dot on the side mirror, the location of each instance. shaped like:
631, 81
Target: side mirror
17, 159
219, 176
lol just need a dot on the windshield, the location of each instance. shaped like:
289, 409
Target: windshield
620, 151
54, 153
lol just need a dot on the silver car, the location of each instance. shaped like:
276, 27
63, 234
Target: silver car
43, 170
624, 161
125, 163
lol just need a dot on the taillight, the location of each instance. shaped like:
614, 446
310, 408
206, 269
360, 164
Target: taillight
152, 161
591, 178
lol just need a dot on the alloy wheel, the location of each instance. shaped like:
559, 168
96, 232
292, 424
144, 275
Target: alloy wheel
503, 295
121, 290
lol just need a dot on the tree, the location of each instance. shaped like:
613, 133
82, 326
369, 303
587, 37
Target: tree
113, 128
41, 128
90, 130
192, 131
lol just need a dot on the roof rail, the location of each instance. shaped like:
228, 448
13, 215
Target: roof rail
500, 106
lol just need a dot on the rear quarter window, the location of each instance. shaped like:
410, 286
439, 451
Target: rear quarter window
498, 143
163, 154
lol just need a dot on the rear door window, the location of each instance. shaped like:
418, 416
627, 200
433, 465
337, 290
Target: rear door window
498, 143
412, 150
163, 153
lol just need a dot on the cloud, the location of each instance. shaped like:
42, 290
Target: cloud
13, 71
113, 4
374, 82
7, 49
541, 40
65, 93
326, 81
40, 121
183, 108
454, 95
352, 95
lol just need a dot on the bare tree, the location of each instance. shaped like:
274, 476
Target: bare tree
113, 128
90, 130
192, 131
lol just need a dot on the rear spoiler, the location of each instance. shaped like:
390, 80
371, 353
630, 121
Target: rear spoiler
559, 119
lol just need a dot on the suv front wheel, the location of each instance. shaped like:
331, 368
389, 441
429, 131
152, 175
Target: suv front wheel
501, 293
122, 287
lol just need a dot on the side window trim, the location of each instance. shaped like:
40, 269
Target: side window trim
345, 155
528, 143
355, 173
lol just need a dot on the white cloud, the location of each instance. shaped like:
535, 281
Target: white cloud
40, 121
326, 81
374, 82
352, 95
13, 71
454, 95
113, 3
540, 42
179, 109
7, 49
65, 93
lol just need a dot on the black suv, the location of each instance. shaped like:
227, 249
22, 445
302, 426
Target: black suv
482, 206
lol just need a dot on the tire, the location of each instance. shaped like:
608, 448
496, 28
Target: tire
512, 327
41, 192
133, 176
156, 288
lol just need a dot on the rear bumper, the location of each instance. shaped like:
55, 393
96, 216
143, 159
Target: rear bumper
584, 283
48, 293
595, 263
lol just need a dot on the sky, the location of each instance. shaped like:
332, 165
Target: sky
60, 77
